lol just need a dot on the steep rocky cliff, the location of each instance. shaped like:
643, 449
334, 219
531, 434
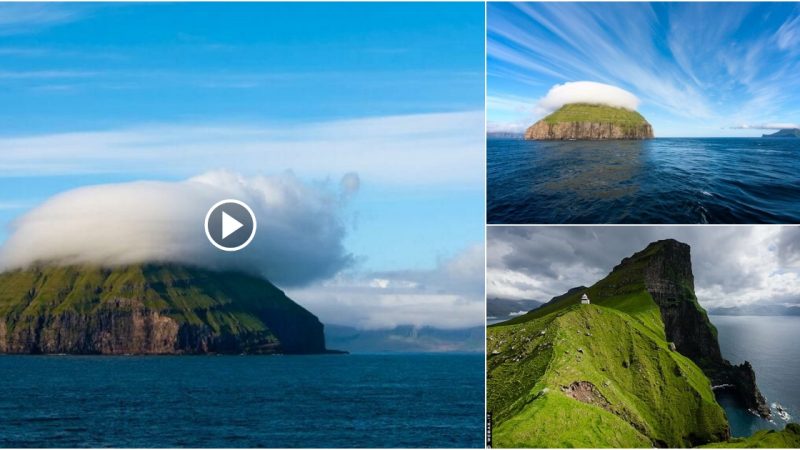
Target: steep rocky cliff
580, 121
667, 270
150, 309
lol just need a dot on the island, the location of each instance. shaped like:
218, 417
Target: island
583, 121
785, 133
150, 309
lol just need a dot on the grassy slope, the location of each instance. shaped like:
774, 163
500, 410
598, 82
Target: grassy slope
625, 323
583, 112
661, 397
618, 290
226, 302
789, 437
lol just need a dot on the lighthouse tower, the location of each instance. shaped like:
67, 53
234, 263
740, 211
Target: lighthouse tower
584, 299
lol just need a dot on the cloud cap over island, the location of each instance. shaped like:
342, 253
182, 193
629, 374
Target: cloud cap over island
300, 245
744, 72
300, 236
586, 92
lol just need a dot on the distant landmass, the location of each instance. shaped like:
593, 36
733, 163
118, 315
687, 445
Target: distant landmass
583, 121
150, 309
785, 133
504, 135
502, 308
405, 339
756, 310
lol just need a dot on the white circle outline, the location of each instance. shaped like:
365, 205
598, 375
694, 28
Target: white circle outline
252, 233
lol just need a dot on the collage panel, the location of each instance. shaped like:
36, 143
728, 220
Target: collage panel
399, 224
643, 336
643, 113
228, 225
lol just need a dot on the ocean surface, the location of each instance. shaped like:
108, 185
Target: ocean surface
665, 180
770, 343
249, 401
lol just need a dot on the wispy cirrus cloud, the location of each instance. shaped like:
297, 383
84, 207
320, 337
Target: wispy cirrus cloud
45, 74
745, 70
405, 149
766, 126
24, 17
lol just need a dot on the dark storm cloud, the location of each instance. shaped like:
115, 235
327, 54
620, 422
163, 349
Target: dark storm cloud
732, 265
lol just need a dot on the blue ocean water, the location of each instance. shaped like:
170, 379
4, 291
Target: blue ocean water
249, 401
665, 180
770, 344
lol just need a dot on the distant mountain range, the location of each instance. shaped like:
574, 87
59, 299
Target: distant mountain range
785, 133
502, 308
504, 135
756, 310
405, 339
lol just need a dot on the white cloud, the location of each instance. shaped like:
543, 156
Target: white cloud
299, 236
44, 74
449, 296
400, 150
732, 265
788, 35
587, 92
767, 126
27, 17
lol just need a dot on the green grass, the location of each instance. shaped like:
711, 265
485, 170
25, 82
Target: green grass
655, 396
658, 394
565, 423
583, 112
226, 302
789, 437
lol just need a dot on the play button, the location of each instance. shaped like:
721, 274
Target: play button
230, 225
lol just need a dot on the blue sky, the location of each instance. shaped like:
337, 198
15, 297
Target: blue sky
94, 93
699, 69
70, 68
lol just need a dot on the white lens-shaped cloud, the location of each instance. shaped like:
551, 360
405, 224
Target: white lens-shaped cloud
587, 92
299, 239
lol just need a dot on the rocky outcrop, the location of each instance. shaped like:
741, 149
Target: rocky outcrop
667, 270
586, 392
563, 131
155, 310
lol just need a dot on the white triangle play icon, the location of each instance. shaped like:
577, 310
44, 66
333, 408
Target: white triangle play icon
229, 225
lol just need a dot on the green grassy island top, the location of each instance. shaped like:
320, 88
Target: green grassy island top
584, 112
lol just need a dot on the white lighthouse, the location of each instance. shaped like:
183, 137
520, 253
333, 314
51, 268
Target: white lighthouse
584, 299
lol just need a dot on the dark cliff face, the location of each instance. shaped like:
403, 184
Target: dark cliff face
669, 280
592, 131
584, 121
150, 310
667, 271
